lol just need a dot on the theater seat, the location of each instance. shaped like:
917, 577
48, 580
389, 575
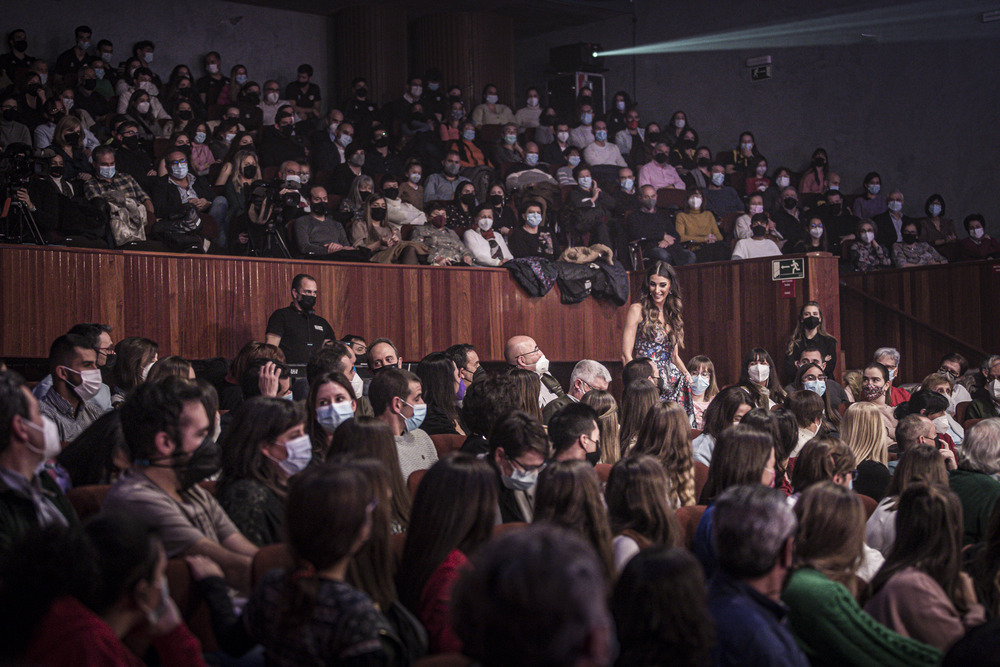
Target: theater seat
446, 443
209, 485
397, 542
970, 423
444, 660
671, 198
870, 504
695, 432
193, 609
603, 471
504, 528
960, 409
700, 477
87, 500
414, 481
271, 557
688, 518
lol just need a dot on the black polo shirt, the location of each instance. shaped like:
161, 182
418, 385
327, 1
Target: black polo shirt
302, 334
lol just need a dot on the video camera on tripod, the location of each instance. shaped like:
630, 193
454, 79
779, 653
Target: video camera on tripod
268, 201
17, 166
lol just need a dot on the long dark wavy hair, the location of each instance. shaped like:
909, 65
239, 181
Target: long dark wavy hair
672, 307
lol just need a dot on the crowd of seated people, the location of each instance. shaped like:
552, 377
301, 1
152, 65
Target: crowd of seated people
203, 162
365, 504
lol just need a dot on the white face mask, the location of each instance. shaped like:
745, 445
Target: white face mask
50, 438
782, 181
298, 455
213, 68
976, 232
816, 232
271, 97
620, 105
695, 202
680, 123
542, 365
995, 390
485, 224
562, 136
491, 99
756, 208
941, 424
357, 384
145, 370
142, 107
90, 384
867, 237
532, 101
759, 373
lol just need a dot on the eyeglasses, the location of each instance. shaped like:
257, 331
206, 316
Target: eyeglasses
945, 371
597, 443
527, 468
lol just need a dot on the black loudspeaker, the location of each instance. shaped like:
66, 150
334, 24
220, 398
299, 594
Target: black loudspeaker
576, 57
564, 89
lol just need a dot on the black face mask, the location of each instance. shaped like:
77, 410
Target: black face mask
253, 99
21, 45
819, 162
33, 89
57, 172
110, 360
548, 121
89, 84
661, 158
496, 200
704, 162
836, 209
361, 93
378, 214
909, 237
200, 465
307, 302
382, 142
9, 114
131, 142
479, 375
72, 138
594, 457
653, 137
185, 114
319, 207
469, 199
391, 193
758, 231
790, 202
286, 130
249, 170
810, 322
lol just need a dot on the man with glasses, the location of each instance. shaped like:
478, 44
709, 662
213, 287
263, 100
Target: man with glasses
987, 402
519, 450
181, 195
296, 329
812, 354
574, 434
587, 375
523, 352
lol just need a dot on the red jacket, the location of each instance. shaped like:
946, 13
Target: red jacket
71, 635
434, 600
897, 396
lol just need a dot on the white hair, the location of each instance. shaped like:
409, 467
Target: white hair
890, 352
588, 370
981, 449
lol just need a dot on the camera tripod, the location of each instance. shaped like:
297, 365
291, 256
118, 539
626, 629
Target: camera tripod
271, 244
17, 223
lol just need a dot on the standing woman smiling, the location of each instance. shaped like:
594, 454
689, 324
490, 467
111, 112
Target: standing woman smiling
654, 328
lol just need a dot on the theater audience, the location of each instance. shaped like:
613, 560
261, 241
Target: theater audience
664, 436
639, 396
703, 388
639, 514
865, 432
978, 244
827, 621
973, 482
913, 252
866, 252
727, 409
393, 393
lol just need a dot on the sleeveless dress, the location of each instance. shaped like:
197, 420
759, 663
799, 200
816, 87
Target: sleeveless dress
659, 348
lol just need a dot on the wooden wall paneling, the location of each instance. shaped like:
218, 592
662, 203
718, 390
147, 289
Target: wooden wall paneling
371, 41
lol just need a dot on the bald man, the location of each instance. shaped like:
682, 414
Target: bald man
523, 352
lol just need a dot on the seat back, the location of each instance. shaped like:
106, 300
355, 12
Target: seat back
87, 500
446, 443
504, 528
688, 518
271, 557
970, 423
603, 471
870, 504
700, 477
960, 409
414, 481
192, 606
444, 660
671, 198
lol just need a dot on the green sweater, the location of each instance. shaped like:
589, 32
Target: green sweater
979, 493
833, 629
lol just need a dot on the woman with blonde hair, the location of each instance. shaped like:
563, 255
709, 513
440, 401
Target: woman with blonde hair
569, 495
606, 407
68, 141
823, 612
371, 231
244, 171
527, 386
864, 432
637, 399
664, 436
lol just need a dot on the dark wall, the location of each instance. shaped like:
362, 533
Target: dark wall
271, 43
920, 112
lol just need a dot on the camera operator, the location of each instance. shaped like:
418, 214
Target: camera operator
12, 131
58, 208
271, 207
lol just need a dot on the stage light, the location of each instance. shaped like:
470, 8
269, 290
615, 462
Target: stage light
923, 21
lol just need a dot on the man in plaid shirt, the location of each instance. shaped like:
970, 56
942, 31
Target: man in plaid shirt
110, 180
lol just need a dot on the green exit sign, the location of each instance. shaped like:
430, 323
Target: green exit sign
788, 269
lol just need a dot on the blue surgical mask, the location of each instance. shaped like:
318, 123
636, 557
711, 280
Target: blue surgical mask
895, 206
874, 188
533, 219
99, 73
531, 159
469, 135
241, 79
298, 455
419, 412
935, 209
699, 385
573, 160
510, 139
520, 480
627, 183
718, 178
460, 394
106, 172
333, 415
815, 386
199, 137
586, 117
586, 182
601, 135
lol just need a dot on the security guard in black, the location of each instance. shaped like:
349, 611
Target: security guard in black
296, 329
